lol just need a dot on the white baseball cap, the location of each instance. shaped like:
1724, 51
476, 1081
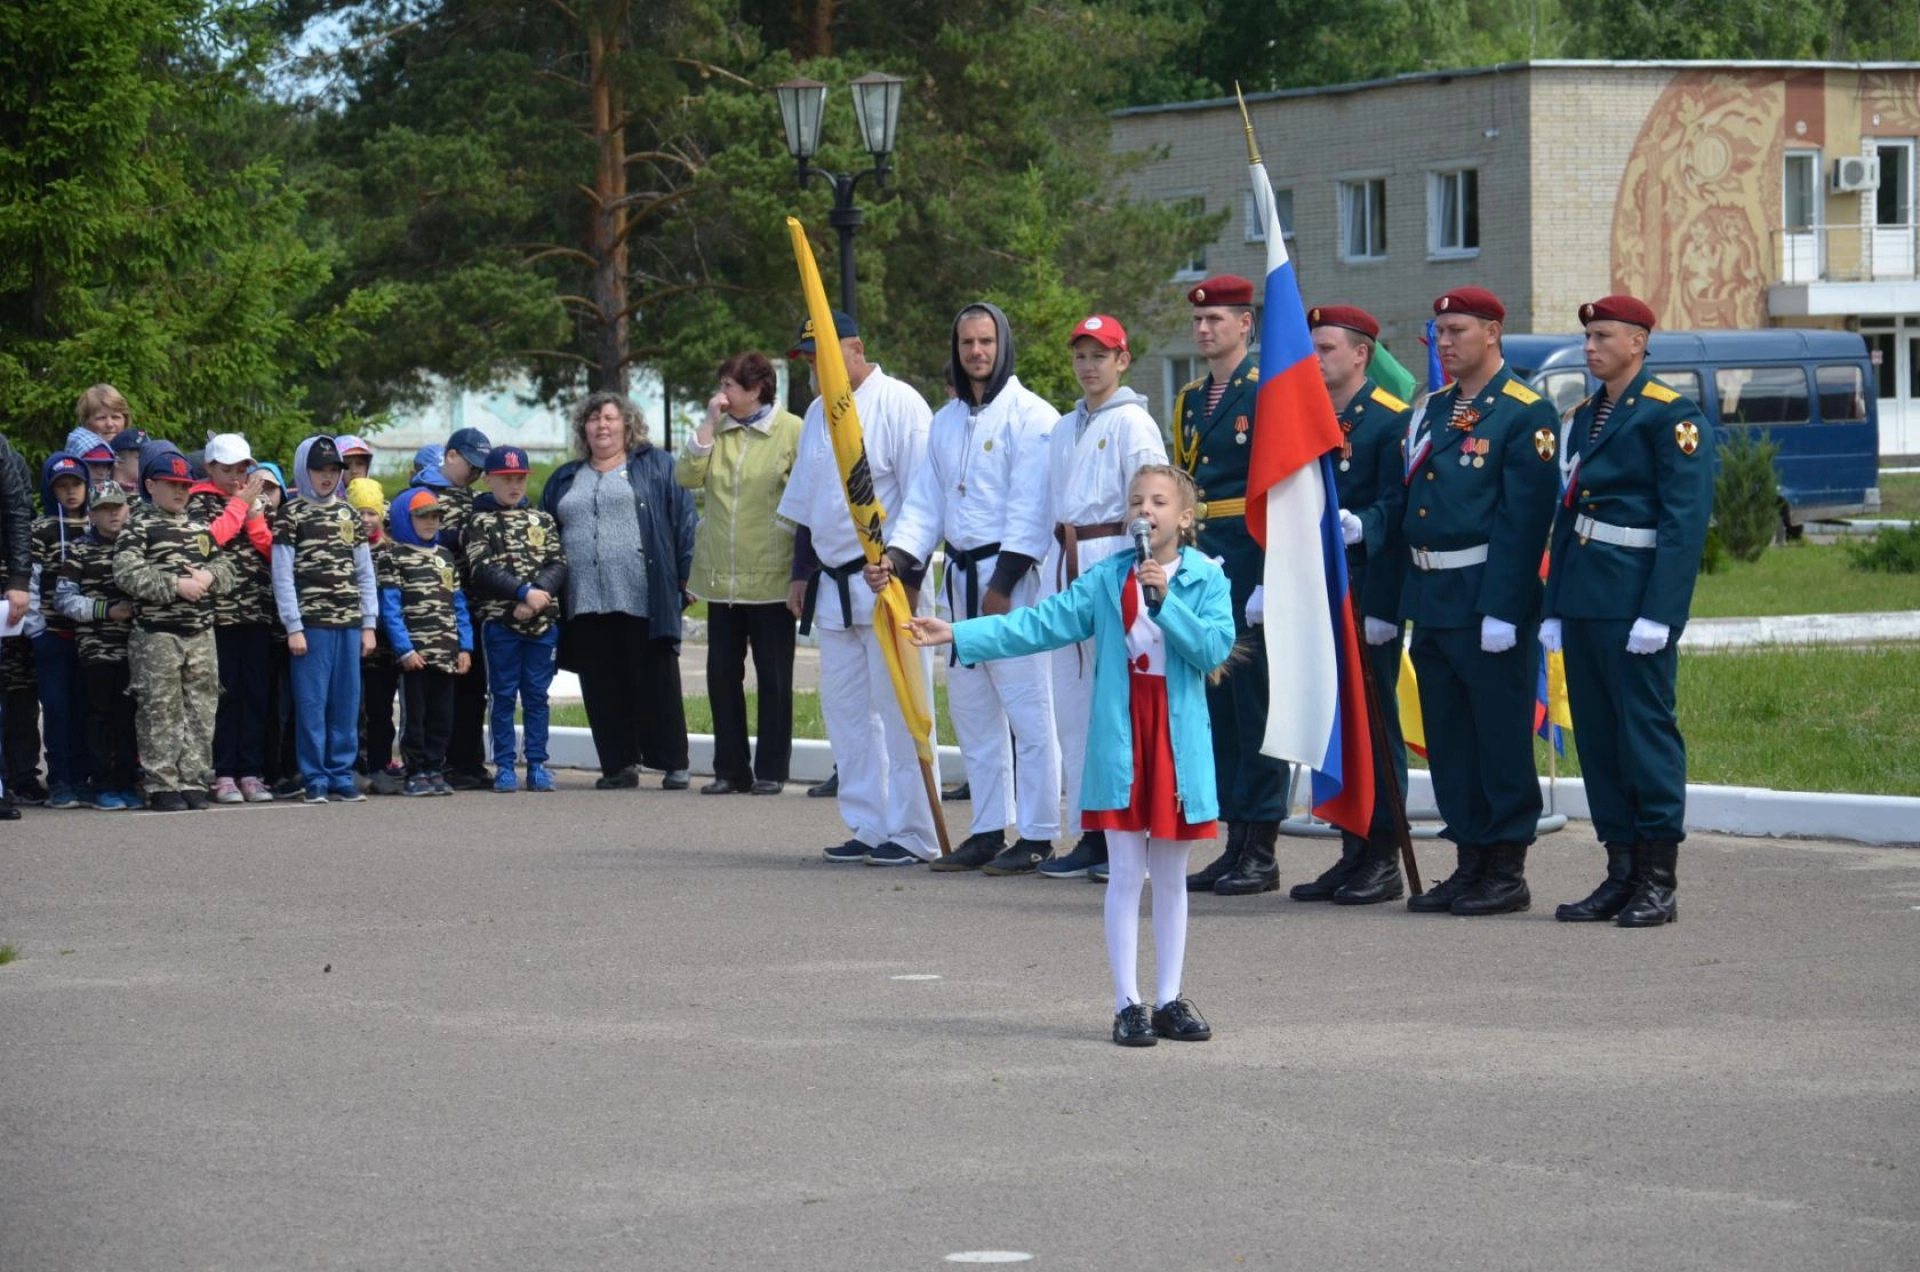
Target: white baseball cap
228, 448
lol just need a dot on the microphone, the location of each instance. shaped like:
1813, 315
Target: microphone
1141, 531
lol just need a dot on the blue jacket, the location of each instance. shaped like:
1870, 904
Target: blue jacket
666, 528
1197, 620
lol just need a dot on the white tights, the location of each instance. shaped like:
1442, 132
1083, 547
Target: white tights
1131, 856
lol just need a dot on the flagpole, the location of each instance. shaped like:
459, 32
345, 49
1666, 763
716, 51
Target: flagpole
1253, 150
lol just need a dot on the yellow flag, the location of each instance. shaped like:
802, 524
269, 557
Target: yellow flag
890, 609
1558, 710
1412, 727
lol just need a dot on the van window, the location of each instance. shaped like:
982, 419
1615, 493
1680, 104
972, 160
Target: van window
1685, 383
1565, 389
1843, 394
1765, 396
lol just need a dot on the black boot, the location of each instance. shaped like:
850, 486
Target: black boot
1653, 903
1376, 878
1223, 864
1466, 873
1502, 886
1257, 871
1610, 897
1323, 888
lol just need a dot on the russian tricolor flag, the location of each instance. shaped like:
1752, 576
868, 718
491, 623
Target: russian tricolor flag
1317, 714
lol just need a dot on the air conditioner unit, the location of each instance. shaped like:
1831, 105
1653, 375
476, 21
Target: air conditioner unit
1854, 173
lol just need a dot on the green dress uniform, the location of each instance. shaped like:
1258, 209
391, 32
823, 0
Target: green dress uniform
1478, 506
1626, 545
1217, 447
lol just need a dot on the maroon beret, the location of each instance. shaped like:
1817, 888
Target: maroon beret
1222, 289
1352, 317
1475, 302
1617, 309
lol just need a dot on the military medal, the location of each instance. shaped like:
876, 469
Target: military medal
1240, 427
1465, 458
1345, 465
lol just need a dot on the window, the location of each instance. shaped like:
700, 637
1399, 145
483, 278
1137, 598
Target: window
1685, 383
1282, 208
1843, 394
1180, 373
1453, 213
1763, 396
1363, 219
1800, 190
1565, 389
1195, 206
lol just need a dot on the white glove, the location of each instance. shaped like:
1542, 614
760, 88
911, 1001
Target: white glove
1380, 631
1647, 636
1550, 635
1351, 531
1257, 605
1497, 637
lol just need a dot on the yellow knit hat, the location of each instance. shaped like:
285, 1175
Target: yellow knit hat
365, 492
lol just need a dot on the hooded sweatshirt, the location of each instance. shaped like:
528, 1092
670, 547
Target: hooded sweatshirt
322, 566
1094, 455
422, 608
54, 533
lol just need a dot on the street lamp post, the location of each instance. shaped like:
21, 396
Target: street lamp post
876, 105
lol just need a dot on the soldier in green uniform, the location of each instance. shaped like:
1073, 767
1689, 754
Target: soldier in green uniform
1626, 551
1479, 496
1212, 439
1367, 478
168, 563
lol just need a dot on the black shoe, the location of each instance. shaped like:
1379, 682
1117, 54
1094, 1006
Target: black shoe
891, 854
676, 780
625, 780
167, 802
470, 779
1440, 897
1258, 871
1502, 886
1024, 857
196, 800
1179, 1021
1611, 897
1330, 879
827, 789
288, 787
1223, 865
1375, 879
1133, 1026
1091, 851
957, 794
851, 853
767, 786
387, 782
1654, 877
721, 786
28, 790
8, 812
976, 852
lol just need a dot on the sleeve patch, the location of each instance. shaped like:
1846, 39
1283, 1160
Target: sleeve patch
1544, 444
1520, 393
1687, 437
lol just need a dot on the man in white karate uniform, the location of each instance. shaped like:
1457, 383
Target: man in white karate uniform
983, 492
1096, 449
881, 796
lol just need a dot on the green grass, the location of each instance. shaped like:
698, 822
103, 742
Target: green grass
807, 720
8, 954
1797, 719
1900, 496
1801, 578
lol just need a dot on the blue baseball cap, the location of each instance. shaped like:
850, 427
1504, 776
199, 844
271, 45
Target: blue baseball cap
131, 439
429, 456
507, 459
471, 445
166, 466
843, 326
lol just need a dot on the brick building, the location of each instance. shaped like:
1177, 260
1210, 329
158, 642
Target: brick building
1728, 195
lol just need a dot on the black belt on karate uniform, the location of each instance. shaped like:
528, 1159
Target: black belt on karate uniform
841, 576
968, 559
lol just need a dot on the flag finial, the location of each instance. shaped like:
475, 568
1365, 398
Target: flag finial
1253, 151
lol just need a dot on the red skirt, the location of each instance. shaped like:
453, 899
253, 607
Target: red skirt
1154, 805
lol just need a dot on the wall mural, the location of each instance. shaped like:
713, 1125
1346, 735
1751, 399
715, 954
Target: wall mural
1691, 234
1895, 97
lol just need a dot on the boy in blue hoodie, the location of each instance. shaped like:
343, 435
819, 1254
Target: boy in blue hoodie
56, 657
425, 617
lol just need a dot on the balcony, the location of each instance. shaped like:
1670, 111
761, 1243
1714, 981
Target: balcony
1845, 271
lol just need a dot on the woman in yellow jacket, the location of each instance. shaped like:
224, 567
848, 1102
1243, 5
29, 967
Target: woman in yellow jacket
740, 458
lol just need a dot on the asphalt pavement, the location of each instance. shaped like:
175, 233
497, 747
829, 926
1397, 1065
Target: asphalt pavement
644, 1030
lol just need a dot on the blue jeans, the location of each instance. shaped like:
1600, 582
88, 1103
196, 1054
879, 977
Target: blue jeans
518, 666
326, 706
63, 716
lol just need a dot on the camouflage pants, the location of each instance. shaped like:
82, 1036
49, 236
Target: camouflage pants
176, 680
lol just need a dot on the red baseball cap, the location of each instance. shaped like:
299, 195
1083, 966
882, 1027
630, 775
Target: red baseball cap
1222, 289
1617, 309
1352, 317
1102, 328
1475, 302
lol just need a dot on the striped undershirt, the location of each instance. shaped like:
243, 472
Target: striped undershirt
1215, 391
1601, 410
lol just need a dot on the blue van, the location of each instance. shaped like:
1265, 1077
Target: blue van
1811, 391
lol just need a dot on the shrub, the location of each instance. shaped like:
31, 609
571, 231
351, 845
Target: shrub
1889, 552
1746, 495
1714, 554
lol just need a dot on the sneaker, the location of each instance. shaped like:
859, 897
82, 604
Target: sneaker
851, 853
1178, 1021
316, 795
63, 797
348, 794
286, 788
1021, 858
1091, 851
255, 791
90, 796
1133, 1027
676, 780
1097, 873
440, 786
625, 780
28, 790
132, 799
418, 786
538, 778
976, 852
109, 802
196, 800
890, 854
504, 782
477, 780
387, 782
227, 791
167, 802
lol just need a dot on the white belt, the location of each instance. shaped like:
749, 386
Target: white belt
1458, 560
1619, 536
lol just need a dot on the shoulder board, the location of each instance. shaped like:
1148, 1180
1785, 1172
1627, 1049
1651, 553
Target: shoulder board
1191, 385
1520, 393
1658, 392
1253, 375
1387, 400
